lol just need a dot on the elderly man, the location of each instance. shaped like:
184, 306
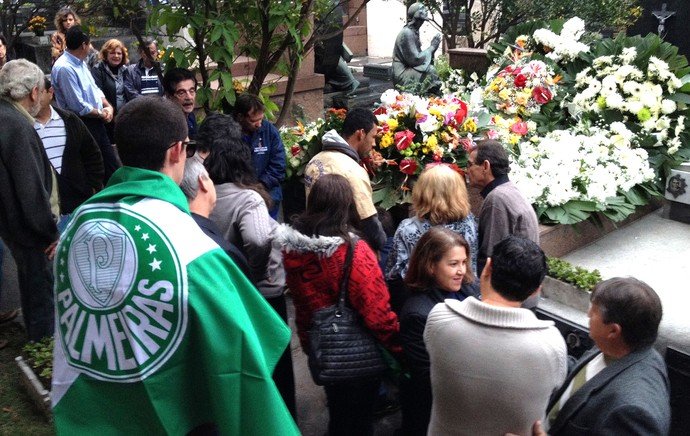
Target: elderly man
28, 194
180, 86
621, 386
76, 91
412, 66
494, 365
159, 332
268, 153
505, 211
342, 155
201, 196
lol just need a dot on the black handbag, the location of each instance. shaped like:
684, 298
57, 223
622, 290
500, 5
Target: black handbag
341, 349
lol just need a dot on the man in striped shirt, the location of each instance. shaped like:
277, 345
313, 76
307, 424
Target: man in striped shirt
72, 152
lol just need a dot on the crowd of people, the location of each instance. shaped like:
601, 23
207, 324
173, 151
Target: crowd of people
169, 299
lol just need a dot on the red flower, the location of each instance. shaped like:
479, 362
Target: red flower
408, 166
541, 94
403, 139
520, 81
381, 110
467, 144
461, 113
295, 149
520, 128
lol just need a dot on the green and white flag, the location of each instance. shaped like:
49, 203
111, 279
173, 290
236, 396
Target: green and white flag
157, 330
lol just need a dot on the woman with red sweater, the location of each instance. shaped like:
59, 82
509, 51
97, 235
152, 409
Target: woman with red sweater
314, 251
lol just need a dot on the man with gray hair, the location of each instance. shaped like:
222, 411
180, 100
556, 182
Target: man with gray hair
201, 196
28, 194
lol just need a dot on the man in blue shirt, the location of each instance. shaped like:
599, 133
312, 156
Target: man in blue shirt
268, 153
76, 91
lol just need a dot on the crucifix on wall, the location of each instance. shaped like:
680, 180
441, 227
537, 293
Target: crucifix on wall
662, 16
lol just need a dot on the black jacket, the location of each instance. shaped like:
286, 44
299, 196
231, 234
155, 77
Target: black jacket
25, 182
132, 80
415, 391
82, 164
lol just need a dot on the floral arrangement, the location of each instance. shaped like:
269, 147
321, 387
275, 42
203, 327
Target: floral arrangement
415, 131
303, 141
566, 171
565, 46
37, 23
615, 84
521, 89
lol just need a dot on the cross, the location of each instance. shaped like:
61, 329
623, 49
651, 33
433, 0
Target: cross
662, 16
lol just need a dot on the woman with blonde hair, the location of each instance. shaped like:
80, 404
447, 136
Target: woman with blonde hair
109, 76
64, 19
439, 198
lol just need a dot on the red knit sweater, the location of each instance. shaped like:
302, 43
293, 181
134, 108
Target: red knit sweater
315, 283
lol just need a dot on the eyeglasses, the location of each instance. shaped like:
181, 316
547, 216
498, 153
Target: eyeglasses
182, 92
190, 146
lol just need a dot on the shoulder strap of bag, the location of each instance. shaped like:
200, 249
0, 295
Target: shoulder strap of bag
345, 282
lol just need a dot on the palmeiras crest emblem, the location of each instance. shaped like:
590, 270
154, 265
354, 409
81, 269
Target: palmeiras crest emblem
99, 252
676, 186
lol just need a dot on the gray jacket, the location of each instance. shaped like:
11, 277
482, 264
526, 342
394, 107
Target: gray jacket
242, 217
628, 397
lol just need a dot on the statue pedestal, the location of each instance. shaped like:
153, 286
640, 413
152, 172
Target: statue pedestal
470, 60
678, 193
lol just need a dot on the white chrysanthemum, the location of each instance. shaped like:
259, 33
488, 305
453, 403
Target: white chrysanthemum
668, 106
389, 97
573, 29
615, 101
629, 54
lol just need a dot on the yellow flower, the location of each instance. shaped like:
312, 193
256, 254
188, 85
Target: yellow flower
513, 139
425, 149
392, 123
522, 99
469, 125
432, 142
504, 94
435, 112
386, 140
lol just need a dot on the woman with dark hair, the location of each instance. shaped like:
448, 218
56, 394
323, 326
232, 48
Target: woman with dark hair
314, 252
439, 269
109, 76
242, 217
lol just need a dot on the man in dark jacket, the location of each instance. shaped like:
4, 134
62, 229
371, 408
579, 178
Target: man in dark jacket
145, 77
621, 386
73, 153
268, 153
28, 194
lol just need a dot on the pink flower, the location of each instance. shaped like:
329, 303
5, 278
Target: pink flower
468, 144
403, 139
520, 128
541, 94
492, 134
408, 166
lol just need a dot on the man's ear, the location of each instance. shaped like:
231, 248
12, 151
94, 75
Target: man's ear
35, 92
175, 153
486, 272
614, 330
203, 183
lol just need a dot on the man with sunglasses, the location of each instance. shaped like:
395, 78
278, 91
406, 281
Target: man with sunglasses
158, 331
505, 211
180, 87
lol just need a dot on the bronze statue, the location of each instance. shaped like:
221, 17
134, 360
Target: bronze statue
328, 52
413, 68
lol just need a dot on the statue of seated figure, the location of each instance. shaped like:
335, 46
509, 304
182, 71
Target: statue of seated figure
413, 67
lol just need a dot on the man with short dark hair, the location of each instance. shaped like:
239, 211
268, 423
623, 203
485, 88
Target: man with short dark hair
76, 91
268, 153
28, 194
505, 211
73, 153
144, 77
179, 86
621, 386
342, 155
158, 330
494, 365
